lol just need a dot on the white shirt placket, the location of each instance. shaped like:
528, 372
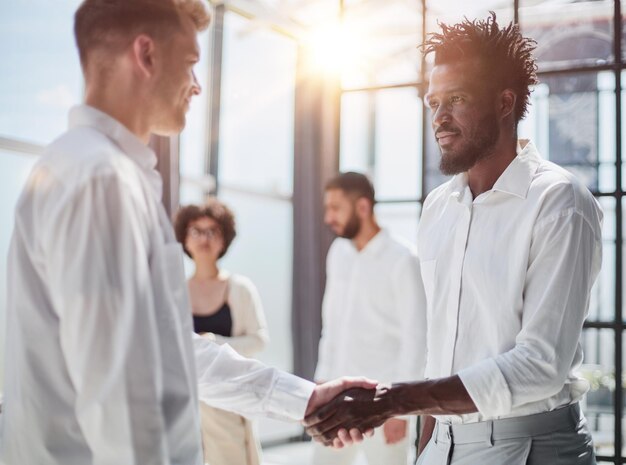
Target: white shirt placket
463, 220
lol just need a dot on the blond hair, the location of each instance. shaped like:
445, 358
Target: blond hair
111, 25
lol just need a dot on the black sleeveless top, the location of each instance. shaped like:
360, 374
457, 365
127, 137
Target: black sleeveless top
220, 322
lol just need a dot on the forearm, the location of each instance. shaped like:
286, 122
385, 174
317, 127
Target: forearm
231, 382
364, 410
444, 396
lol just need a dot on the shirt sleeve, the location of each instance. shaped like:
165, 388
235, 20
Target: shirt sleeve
410, 305
565, 257
255, 334
97, 255
231, 382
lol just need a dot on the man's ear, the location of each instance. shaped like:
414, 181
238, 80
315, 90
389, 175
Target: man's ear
506, 103
143, 54
363, 207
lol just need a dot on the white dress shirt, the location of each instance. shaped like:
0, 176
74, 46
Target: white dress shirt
507, 277
99, 357
374, 320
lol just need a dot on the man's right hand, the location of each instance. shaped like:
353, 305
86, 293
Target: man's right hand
328, 395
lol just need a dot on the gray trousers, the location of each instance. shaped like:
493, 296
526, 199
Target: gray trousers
559, 437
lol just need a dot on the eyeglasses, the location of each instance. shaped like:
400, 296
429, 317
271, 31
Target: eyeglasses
196, 233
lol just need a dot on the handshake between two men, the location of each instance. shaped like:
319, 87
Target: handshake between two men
349, 416
341, 419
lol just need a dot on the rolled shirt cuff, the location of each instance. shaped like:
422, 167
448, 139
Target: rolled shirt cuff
289, 397
488, 389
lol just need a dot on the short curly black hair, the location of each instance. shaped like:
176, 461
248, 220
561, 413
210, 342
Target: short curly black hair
504, 55
213, 209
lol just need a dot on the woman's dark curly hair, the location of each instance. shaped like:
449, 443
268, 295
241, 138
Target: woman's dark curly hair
213, 209
503, 54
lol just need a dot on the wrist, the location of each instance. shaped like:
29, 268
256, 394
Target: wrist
403, 398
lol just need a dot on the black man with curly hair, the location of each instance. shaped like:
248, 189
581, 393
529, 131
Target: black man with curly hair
509, 249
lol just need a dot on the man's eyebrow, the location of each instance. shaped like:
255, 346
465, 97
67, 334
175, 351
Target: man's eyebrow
454, 90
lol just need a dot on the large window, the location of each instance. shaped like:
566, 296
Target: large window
381, 136
40, 76
253, 169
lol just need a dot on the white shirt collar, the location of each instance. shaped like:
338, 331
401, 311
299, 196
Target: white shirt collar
515, 179
374, 244
131, 145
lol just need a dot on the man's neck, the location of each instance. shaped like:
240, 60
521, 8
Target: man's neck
368, 231
484, 174
125, 109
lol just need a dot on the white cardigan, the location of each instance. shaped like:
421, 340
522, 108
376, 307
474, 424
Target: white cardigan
250, 334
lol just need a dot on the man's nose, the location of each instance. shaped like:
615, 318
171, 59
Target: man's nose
441, 115
196, 87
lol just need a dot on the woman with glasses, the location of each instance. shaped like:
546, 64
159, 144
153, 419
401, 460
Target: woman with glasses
226, 309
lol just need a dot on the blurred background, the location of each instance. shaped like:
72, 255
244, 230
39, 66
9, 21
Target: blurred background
295, 90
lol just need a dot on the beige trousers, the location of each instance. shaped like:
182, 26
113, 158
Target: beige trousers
227, 438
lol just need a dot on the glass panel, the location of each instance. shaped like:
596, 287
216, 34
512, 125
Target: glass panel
368, 45
256, 133
602, 303
379, 45
357, 132
193, 140
599, 370
192, 191
398, 144
381, 136
571, 121
400, 219
452, 11
18, 166
572, 33
41, 77
262, 251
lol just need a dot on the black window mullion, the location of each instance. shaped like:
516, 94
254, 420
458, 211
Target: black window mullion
617, 51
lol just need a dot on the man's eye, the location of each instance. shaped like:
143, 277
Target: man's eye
456, 99
433, 105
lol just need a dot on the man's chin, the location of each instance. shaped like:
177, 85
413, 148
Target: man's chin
170, 129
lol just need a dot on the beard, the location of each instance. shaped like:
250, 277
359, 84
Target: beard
352, 227
478, 146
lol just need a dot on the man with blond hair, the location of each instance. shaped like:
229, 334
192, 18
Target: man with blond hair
101, 367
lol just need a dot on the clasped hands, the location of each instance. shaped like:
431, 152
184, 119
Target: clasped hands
343, 411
